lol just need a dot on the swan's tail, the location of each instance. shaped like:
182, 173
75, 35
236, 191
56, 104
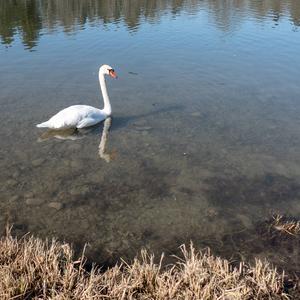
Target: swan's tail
42, 125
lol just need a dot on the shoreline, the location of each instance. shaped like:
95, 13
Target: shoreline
44, 269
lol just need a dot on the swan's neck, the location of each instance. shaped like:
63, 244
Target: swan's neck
107, 107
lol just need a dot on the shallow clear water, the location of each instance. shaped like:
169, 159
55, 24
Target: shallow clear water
204, 143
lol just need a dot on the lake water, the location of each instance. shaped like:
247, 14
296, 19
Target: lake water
204, 143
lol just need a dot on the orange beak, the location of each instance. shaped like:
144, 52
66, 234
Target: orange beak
113, 74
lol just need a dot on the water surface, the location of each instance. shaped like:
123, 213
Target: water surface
204, 143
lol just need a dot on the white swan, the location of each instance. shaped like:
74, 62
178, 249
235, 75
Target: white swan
80, 116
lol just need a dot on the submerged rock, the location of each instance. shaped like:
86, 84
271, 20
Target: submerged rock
16, 174
196, 114
38, 162
81, 190
29, 195
11, 182
142, 128
13, 199
76, 164
33, 201
55, 205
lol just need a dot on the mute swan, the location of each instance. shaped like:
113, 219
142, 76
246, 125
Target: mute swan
80, 116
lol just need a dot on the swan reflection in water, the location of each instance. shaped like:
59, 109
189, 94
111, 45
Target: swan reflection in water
74, 134
106, 156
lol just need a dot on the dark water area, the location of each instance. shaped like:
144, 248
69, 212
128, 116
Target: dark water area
204, 143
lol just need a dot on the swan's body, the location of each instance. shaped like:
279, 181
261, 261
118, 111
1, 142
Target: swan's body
75, 116
80, 116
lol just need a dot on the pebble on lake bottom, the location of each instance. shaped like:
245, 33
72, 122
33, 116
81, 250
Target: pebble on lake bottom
11, 182
196, 114
55, 205
142, 128
33, 201
38, 162
14, 199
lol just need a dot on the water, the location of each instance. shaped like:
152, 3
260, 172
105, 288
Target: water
204, 141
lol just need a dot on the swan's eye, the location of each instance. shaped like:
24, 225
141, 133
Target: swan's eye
112, 73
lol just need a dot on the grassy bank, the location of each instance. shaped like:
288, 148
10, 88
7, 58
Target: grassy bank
34, 269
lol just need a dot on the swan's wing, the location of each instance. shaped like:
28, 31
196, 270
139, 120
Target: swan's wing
86, 122
72, 116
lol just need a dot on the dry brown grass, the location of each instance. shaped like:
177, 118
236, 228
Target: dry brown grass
283, 225
34, 269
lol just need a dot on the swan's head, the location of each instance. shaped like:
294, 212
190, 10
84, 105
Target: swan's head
108, 70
